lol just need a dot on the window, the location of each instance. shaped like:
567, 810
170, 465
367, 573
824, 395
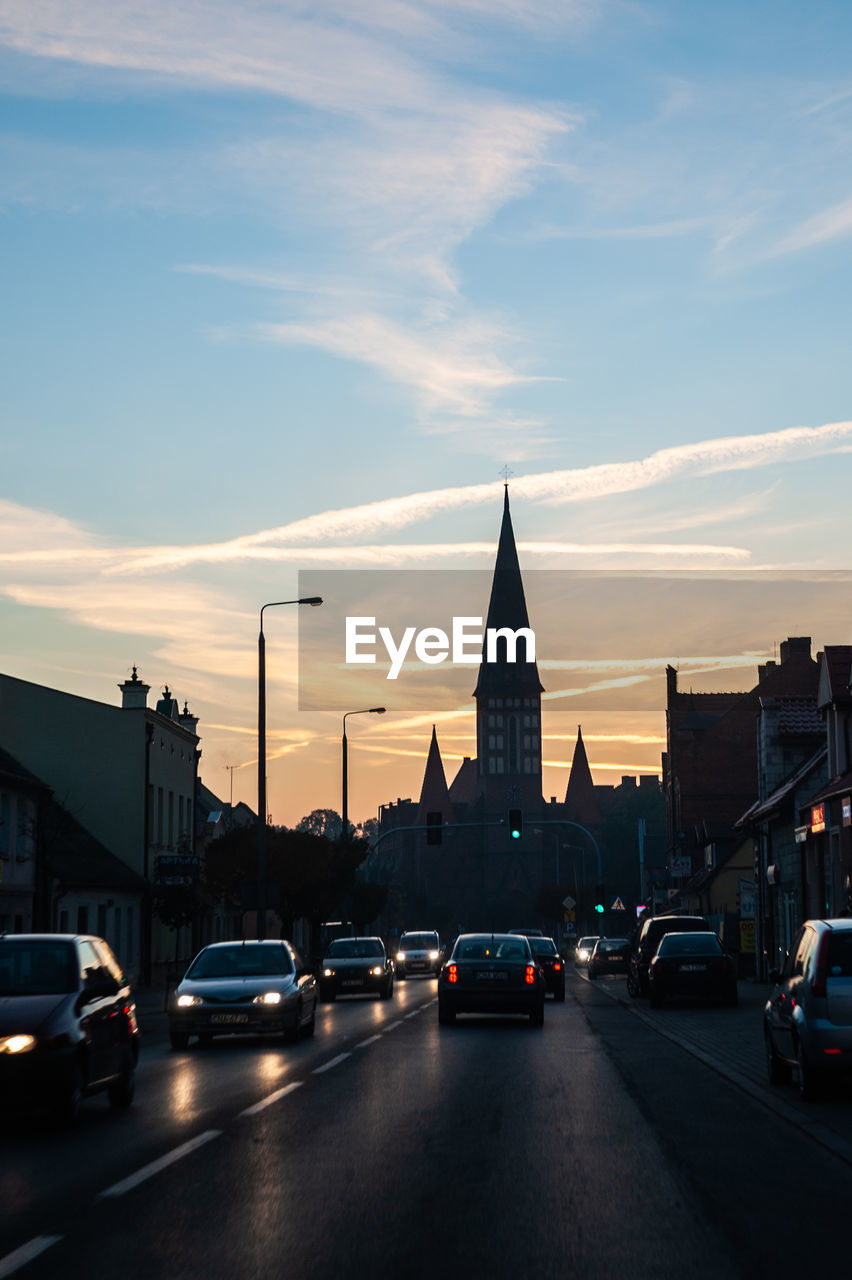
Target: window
83, 919
102, 924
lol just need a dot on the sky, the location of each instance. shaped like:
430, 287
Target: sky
294, 287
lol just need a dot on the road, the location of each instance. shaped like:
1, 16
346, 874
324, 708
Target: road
388, 1146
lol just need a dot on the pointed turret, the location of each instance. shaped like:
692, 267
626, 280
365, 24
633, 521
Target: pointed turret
581, 803
434, 794
507, 608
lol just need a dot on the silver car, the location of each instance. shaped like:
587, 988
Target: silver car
807, 1021
235, 988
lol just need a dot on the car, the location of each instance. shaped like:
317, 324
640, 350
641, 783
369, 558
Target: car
694, 965
528, 933
648, 939
257, 987
609, 955
584, 949
68, 1024
550, 962
418, 953
491, 973
353, 966
807, 1021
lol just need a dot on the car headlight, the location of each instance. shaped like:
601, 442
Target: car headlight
433, 955
377, 970
185, 1002
268, 997
328, 973
400, 955
17, 1044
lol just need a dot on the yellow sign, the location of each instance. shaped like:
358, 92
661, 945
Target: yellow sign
747, 934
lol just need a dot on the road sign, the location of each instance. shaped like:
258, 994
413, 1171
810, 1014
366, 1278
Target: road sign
569, 903
617, 905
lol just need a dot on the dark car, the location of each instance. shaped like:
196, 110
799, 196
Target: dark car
67, 1023
691, 965
236, 988
354, 966
418, 953
491, 973
551, 963
807, 1021
651, 931
610, 955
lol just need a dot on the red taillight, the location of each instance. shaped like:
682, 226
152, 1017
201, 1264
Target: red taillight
818, 987
530, 975
453, 973
557, 967
832, 1051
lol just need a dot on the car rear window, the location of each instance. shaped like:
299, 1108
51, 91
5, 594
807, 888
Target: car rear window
684, 944
612, 944
542, 946
250, 960
355, 948
37, 968
840, 954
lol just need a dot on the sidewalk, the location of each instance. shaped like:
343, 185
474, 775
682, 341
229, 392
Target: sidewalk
730, 1042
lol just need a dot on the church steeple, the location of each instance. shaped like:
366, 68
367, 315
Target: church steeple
581, 804
434, 794
508, 694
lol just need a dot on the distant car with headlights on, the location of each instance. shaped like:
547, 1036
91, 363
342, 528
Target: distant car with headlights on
609, 955
491, 973
356, 966
418, 953
694, 966
243, 988
67, 1023
551, 963
585, 947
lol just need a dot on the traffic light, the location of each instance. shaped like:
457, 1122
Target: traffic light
434, 834
516, 824
600, 906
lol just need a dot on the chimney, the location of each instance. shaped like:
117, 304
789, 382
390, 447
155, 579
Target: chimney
795, 644
188, 720
134, 693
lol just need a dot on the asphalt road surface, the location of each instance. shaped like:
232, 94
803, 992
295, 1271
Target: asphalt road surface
389, 1147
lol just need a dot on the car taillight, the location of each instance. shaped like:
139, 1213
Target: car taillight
557, 966
818, 987
530, 975
453, 973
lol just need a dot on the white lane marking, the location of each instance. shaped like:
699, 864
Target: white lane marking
148, 1170
272, 1097
326, 1066
372, 1040
392, 1026
26, 1253
413, 1014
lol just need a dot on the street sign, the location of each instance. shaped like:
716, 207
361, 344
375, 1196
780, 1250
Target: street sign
617, 905
569, 903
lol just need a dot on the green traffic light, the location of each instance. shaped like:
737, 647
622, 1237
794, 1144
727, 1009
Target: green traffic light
516, 835
599, 907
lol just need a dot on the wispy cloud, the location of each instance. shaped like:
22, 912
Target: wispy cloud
830, 224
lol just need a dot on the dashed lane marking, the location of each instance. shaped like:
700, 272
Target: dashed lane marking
334, 1062
370, 1040
148, 1170
20, 1257
272, 1097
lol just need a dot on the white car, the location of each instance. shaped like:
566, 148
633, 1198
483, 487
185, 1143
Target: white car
585, 947
418, 953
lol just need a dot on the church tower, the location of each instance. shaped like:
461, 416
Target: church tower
508, 695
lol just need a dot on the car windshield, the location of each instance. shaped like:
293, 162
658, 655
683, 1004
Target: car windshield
542, 946
355, 948
587, 942
684, 944
37, 968
840, 954
419, 942
243, 960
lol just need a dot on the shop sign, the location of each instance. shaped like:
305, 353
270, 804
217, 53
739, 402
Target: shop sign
818, 817
846, 805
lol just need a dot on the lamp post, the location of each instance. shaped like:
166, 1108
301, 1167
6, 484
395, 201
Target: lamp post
261, 761
365, 711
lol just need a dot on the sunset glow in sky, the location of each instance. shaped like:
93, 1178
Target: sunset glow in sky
285, 287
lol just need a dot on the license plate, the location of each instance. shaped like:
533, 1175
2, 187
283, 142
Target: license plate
228, 1018
351, 982
487, 975
693, 968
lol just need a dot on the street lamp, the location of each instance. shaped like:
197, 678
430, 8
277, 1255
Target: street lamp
365, 711
261, 761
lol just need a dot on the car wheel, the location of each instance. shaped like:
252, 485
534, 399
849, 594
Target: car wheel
120, 1092
178, 1039
327, 995
560, 995
206, 1039
537, 1015
446, 1016
778, 1071
400, 973
810, 1081
632, 987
